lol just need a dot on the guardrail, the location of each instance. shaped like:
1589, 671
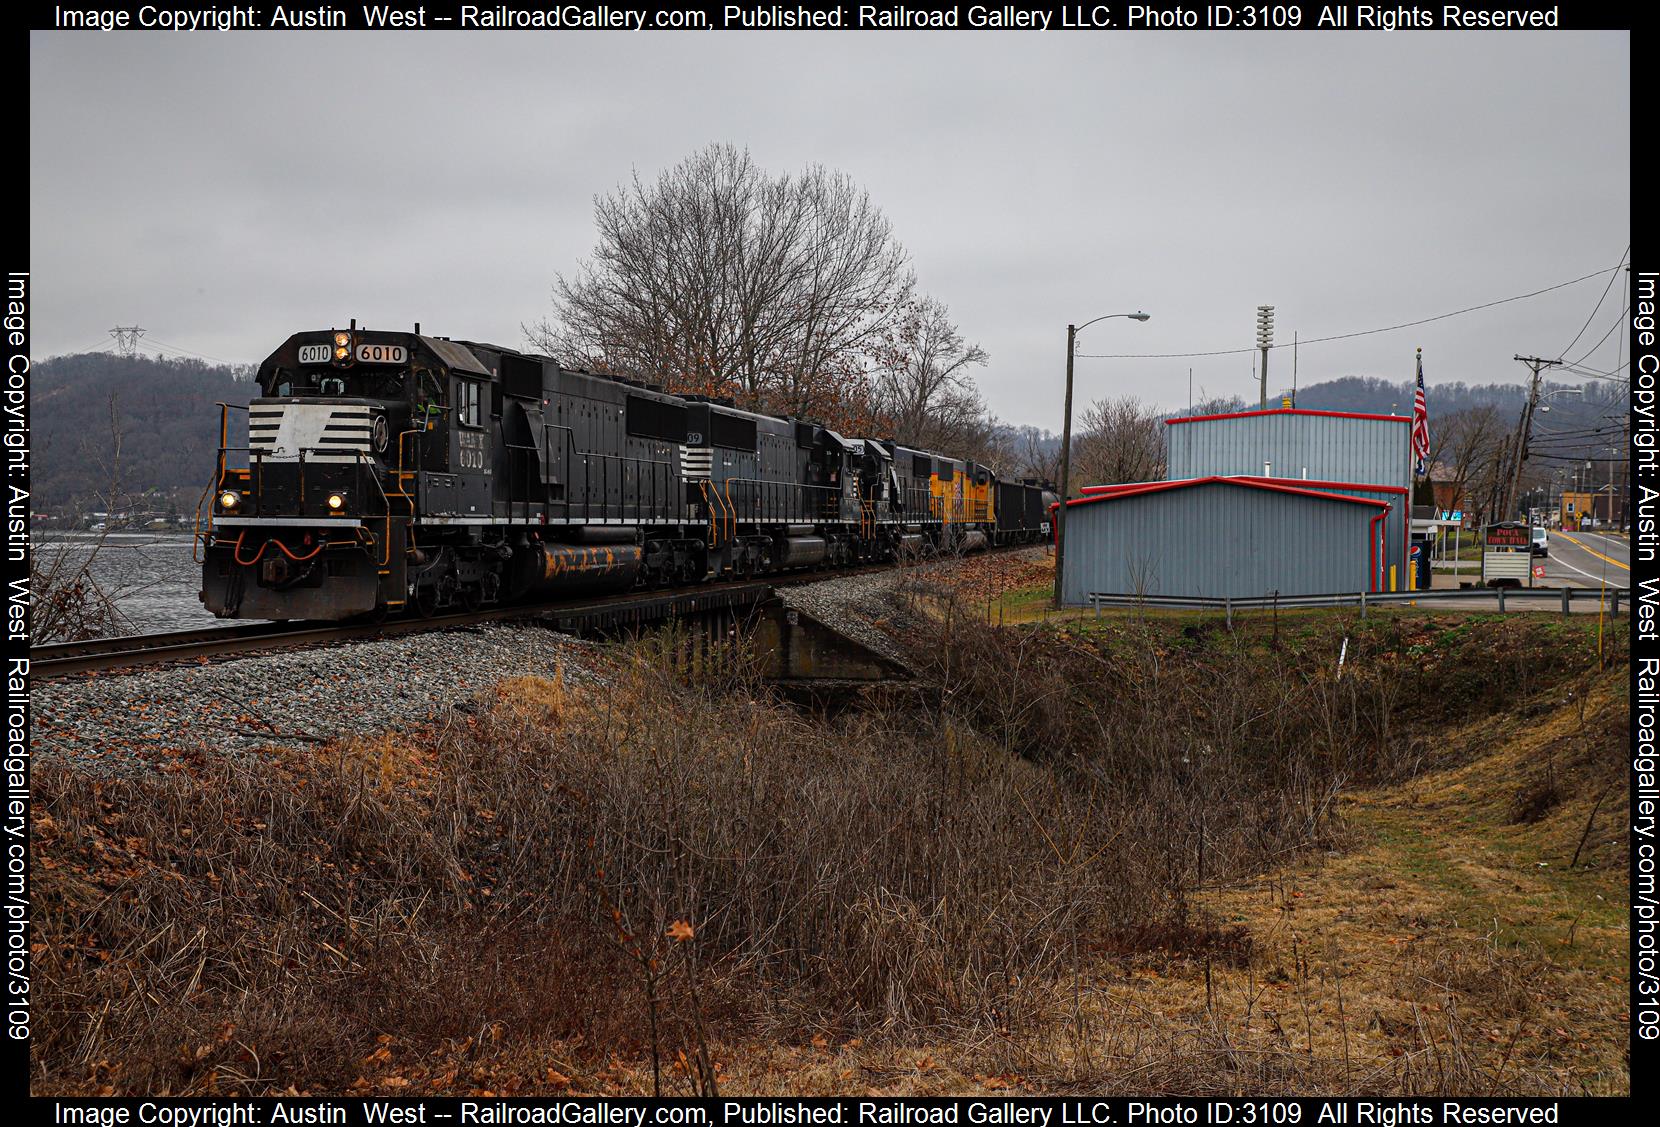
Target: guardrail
1363, 599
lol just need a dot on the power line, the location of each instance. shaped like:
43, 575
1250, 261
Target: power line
96, 346
1349, 336
189, 352
1605, 291
1617, 323
1599, 375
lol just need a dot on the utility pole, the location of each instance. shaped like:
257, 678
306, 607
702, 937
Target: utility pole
1524, 432
126, 338
1066, 465
1072, 332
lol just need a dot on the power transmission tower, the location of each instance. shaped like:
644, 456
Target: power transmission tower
126, 338
1524, 430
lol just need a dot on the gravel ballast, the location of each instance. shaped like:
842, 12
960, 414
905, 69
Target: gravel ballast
151, 717
118, 723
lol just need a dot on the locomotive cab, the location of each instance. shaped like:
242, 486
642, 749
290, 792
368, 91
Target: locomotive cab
308, 519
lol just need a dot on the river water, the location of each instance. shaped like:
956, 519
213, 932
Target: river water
152, 573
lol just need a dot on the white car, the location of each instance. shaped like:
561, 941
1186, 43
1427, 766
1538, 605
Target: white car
1541, 542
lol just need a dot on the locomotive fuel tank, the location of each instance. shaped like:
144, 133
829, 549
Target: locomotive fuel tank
541, 570
800, 551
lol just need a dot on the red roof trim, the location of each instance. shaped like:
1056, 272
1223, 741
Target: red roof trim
1298, 482
1136, 489
1087, 489
1290, 411
1329, 484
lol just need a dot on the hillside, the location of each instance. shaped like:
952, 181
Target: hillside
163, 410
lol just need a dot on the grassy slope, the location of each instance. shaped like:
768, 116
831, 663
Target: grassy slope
1468, 953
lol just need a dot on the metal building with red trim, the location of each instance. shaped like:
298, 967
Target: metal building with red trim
1222, 536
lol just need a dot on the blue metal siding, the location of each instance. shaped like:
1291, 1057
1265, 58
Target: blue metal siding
1217, 540
1394, 537
1319, 447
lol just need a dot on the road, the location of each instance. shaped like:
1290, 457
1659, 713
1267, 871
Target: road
1588, 559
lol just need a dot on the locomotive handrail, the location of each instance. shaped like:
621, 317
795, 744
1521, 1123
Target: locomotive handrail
362, 458
531, 447
565, 481
770, 489
361, 461
731, 515
624, 461
218, 482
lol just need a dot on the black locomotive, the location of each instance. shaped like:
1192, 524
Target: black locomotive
386, 471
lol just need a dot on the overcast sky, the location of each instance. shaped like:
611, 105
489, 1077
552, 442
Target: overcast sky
226, 190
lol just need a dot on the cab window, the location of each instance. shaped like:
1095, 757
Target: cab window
470, 405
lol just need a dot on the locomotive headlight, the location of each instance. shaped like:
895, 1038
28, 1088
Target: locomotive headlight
340, 352
230, 500
337, 502
342, 339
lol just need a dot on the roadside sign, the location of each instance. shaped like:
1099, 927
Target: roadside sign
1506, 554
1538, 571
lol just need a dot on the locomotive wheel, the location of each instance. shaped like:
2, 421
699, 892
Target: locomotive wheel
371, 617
426, 600
471, 597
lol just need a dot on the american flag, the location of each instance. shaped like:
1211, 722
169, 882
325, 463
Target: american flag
1420, 422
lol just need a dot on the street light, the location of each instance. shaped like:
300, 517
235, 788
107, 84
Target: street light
1544, 406
1072, 332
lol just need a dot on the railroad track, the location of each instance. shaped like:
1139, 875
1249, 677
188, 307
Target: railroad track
611, 611
188, 645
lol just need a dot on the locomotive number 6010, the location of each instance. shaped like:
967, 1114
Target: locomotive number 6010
382, 354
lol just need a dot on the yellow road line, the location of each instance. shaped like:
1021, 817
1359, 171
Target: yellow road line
1593, 551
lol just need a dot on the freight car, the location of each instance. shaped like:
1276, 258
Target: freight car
386, 471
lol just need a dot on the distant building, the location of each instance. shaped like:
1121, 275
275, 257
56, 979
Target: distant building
1600, 505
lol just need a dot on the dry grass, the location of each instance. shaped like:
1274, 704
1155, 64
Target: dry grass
1127, 860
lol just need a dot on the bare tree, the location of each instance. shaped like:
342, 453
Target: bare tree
1214, 405
921, 383
1119, 440
718, 278
1467, 455
1038, 453
69, 601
